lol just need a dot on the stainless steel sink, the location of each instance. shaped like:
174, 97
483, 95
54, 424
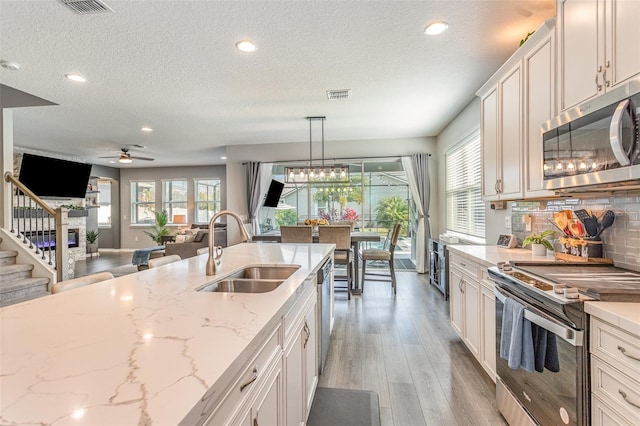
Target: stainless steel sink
242, 285
264, 272
252, 279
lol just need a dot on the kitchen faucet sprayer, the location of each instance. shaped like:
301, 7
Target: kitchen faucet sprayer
215, 253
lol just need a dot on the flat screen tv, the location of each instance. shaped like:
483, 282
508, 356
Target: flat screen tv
52, 177
273, 195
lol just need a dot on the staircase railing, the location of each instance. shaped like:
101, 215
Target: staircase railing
40, 227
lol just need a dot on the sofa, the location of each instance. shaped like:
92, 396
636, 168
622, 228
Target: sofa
195, 238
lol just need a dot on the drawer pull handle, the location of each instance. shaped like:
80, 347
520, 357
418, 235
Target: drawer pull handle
624, 352
253, 379
624, 396
461, 263
307, 331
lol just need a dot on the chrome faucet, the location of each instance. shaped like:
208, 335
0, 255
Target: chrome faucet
215, 253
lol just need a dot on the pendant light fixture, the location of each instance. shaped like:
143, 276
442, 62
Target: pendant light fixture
311, 174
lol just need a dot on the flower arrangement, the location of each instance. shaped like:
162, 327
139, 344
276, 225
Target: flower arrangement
316, 222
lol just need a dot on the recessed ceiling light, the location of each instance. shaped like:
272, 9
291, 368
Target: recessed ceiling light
246, 46
76, 77
13, 66
436, 27
146, 129
223, 158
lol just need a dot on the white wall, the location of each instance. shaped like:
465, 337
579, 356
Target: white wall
236, 155
460, 127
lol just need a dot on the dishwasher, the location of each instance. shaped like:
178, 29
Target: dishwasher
324, 312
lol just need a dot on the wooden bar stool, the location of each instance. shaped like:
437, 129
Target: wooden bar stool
373, 254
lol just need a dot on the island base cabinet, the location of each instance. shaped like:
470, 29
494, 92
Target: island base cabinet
300, 360
253, 378
266, 409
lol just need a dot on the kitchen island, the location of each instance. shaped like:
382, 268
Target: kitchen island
145, 348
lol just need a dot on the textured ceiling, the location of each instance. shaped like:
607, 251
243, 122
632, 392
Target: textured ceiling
172, 65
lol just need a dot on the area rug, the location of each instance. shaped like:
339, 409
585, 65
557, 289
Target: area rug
344, 407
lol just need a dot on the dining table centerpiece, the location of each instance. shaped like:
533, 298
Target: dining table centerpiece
316, 222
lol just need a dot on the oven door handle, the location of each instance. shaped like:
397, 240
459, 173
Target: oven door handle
574, 337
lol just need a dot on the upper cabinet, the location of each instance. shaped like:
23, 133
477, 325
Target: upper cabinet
511, 119
599, 48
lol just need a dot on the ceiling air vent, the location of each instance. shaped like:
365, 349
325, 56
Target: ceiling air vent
338, 95
85, 7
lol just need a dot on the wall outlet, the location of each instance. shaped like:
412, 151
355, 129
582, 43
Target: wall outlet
507, 222
136, 238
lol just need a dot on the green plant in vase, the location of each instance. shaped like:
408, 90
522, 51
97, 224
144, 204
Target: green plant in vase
539, 242
159, 229
92, 241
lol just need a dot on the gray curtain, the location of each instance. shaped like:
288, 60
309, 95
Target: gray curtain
417, 170
258, 179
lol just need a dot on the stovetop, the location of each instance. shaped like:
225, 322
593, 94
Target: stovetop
576, 282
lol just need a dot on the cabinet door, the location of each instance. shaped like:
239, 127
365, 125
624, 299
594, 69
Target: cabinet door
456, 300
579, 47
510, 136
488, 319
310, 350
622, 60
539, 97
266, 410
294, 386
471, 290
489, 135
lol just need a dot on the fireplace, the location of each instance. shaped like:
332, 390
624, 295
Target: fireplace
46, 240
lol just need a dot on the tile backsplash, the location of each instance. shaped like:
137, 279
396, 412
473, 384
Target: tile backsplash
621, 241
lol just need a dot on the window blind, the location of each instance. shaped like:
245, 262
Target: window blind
465, 209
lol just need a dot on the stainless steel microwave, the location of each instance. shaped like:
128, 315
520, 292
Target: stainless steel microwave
595, 146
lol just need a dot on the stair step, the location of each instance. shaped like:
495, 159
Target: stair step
20, 290
14, 272
8, 257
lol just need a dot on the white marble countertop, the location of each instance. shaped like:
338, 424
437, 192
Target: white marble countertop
624, 315
491, 255
144, 348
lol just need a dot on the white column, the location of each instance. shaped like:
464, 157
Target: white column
6, 160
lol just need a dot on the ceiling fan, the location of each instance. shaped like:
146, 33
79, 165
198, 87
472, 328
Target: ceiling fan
126, 158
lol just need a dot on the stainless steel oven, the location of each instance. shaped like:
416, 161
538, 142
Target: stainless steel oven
550, 397
550, 299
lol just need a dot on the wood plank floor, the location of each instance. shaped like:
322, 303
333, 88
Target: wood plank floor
403, 348
108, 259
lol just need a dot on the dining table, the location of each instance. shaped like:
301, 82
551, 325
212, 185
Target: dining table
357, 237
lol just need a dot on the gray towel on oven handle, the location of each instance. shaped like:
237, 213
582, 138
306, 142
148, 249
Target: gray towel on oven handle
545, 349
516, 341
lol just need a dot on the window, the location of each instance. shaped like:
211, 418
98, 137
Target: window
465, 209
143, 202
174, 198
104, 211
207, 199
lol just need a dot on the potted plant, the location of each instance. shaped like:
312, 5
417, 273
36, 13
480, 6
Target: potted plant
92, 241
160, 227
539, 242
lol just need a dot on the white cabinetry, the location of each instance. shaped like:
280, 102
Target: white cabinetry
598, 47
301, 357
615, 375
509, 119
502, 138
472, 309
246, 396
539, 107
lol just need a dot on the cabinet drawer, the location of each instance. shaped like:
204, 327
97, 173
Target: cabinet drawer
619, 390
603, 415
615, 346
467, 266
250, 379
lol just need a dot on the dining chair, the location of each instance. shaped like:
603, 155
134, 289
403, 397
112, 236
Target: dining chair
340, 235
159, 261
375, 255
296, 234
80, 282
